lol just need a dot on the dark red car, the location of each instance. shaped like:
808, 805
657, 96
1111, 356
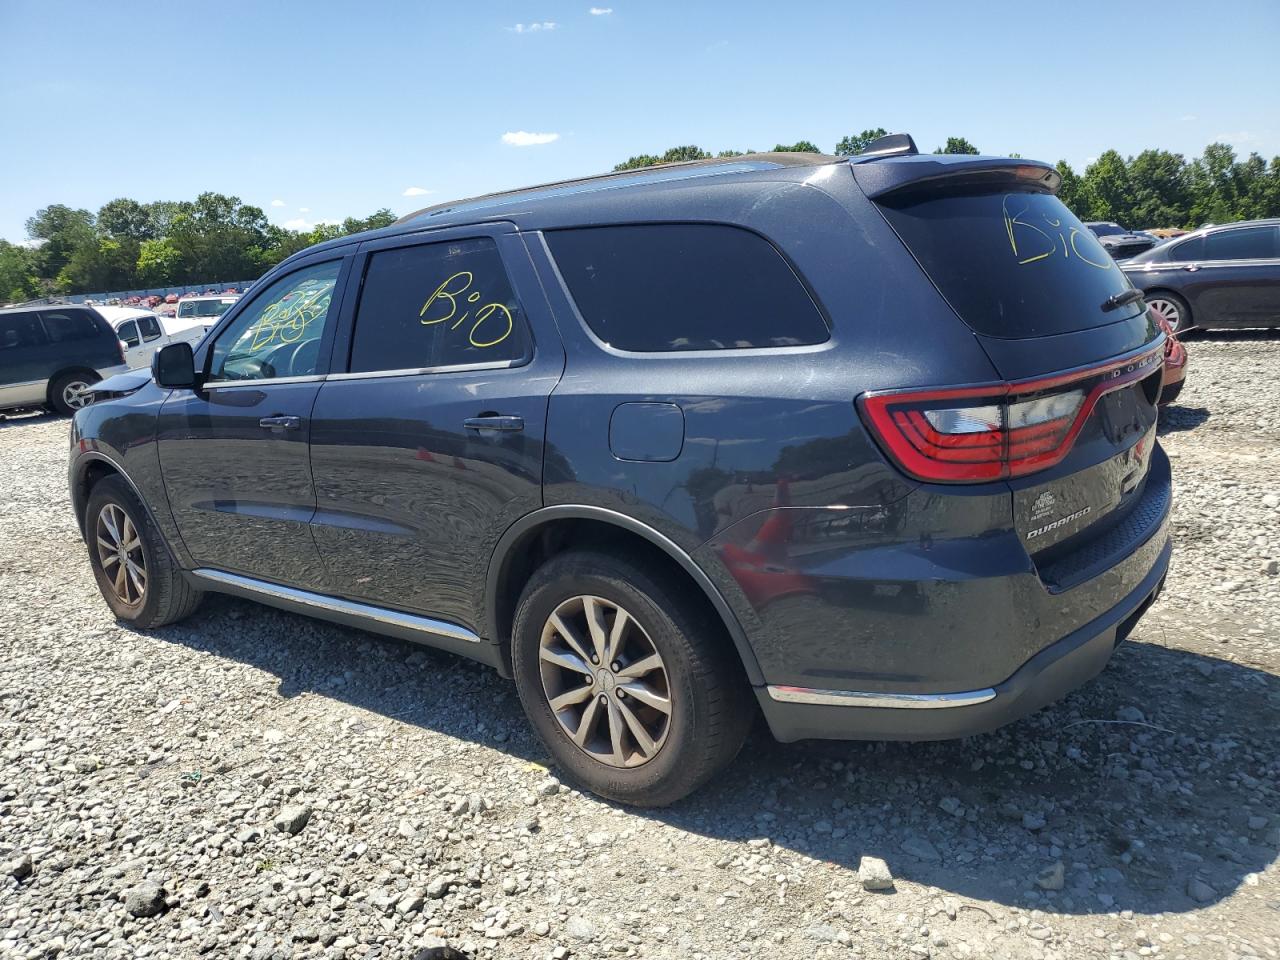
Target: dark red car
1175, 364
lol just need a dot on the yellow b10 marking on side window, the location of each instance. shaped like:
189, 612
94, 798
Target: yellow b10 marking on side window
449, 292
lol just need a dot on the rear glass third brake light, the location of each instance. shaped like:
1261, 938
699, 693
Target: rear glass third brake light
994, 431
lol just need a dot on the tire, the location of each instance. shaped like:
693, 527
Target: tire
67, 393
1170, 393
709, 705
1173, 308
165, 596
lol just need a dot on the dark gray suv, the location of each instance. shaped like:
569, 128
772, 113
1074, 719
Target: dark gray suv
865, 445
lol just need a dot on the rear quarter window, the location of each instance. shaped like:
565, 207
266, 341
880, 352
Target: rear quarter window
71, 326
670, 287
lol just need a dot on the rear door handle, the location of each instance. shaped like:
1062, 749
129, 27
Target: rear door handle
1191, 267
494, 423
280, 423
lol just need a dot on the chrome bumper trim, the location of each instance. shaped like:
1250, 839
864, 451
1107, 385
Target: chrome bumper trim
897, 701
350, 608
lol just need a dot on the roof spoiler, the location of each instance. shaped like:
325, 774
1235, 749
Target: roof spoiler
891, 145
943, 173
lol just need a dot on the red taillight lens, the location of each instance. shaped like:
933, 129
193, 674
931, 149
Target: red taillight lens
972, 434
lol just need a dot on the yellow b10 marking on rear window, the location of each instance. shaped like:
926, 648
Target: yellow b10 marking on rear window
449, 292
1037, 253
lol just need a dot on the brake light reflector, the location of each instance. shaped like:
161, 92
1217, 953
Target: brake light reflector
998, 430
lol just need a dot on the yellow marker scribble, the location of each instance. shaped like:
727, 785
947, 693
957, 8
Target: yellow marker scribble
449, 292
1067, 241
287, 319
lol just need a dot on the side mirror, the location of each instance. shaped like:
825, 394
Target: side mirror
174, 366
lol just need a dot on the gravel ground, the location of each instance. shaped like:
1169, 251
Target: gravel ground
254, 784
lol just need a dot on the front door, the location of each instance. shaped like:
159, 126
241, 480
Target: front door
431, 443
234, 453
1238, 278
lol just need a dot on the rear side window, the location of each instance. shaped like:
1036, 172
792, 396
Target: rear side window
437, 305
19, 330
70, 326
678, 286
1192, 249
1247, 243
1012, 265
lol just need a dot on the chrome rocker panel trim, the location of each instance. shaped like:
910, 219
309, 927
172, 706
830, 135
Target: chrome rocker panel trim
856, 698
364, 616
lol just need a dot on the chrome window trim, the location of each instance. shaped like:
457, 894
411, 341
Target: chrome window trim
231, 384
428, 371
319, 601
897, 701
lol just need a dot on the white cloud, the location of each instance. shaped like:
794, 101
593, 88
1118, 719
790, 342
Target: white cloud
277, 203
522, 138
541, 27
304, 209
600, 11
297, 223
1240, 136
415, 192
1188, 118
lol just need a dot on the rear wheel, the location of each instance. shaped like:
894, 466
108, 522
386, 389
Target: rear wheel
70, 392
131, 562
1172, 309
628, 684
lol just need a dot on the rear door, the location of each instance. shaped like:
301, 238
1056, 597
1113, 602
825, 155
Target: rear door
24, 367
234, 452
1037, 288
428, 440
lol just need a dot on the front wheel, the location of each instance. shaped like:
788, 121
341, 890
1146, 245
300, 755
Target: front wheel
634, 690
131, 562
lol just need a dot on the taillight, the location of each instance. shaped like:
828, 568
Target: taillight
998, 430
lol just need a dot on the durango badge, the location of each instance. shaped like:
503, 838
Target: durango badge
1060, 522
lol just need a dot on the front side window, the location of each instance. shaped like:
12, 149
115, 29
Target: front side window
128, 333
1247, 243
278, 335
70, 326
685, 286
437, 305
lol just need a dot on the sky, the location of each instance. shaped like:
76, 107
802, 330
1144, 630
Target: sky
317, 111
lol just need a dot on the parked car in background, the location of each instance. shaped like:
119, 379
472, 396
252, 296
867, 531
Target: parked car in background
204, 308
143, 332
1175, 364
1220, 276
51, 355
1120, 242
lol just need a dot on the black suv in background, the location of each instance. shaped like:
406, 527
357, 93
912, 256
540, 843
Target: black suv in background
50, 356
867, 445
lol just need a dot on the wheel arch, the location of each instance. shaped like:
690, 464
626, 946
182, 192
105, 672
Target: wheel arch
91, 469
90, 374
532, 539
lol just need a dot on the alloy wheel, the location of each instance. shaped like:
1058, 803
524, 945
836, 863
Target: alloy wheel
1166, 310
76, 394
605, 681
121, 556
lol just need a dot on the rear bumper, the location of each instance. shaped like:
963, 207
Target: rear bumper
796, 713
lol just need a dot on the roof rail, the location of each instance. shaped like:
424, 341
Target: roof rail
891, 145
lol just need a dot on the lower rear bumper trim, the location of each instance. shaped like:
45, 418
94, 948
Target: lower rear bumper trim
857, 698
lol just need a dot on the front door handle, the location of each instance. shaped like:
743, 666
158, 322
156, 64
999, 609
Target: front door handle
280, 423
494, 423
1191, 267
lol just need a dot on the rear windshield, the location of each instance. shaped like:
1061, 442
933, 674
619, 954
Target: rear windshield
1012, 265
203, 308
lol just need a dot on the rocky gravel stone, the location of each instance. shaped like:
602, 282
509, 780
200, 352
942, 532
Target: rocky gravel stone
162, 761
873, 874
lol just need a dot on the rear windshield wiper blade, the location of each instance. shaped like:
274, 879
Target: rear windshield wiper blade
1120, 299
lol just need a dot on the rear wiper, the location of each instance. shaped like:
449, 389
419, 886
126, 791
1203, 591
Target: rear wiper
1121, 298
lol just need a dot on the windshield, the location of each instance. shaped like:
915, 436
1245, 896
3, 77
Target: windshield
1106, 229
1011, 265
203, 308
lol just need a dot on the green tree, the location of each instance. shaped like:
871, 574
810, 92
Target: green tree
673, 155
800, 146
160, 263
957, 145
1069, 192
1158, 189
104, 264
126, 219
18, 279
1107, 192
63, 230
220, 238
375, 221
854, 144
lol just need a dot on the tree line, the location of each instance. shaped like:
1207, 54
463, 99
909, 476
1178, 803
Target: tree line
129, 245
1156, 188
